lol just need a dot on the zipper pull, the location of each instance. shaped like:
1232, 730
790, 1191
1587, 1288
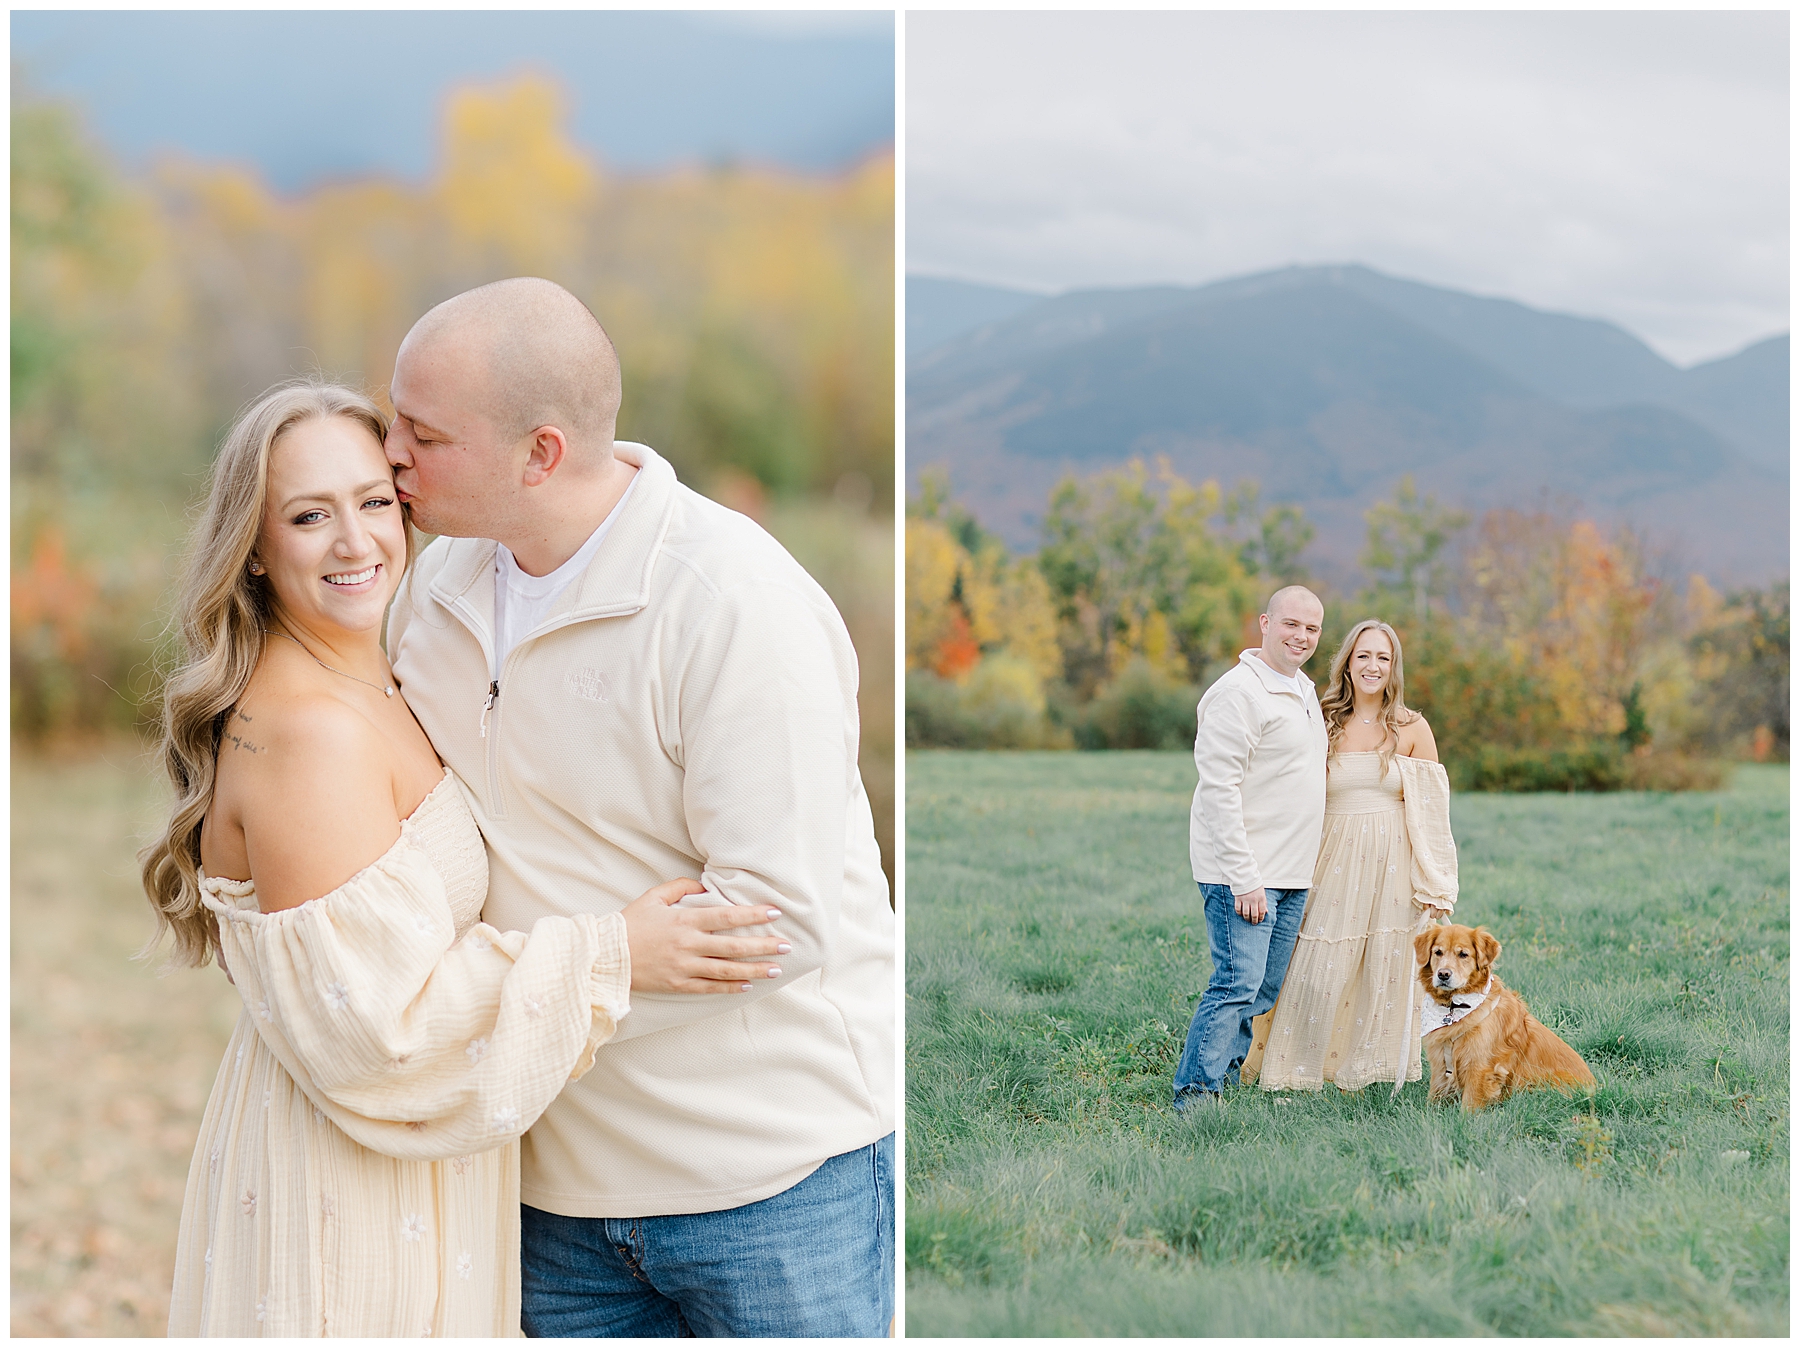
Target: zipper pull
487, 705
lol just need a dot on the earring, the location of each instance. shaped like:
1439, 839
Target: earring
256, 568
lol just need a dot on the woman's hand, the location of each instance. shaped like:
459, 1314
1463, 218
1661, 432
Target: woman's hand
677, 950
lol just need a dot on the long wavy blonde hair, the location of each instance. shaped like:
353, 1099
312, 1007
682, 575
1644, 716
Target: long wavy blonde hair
1340, 696
220, 612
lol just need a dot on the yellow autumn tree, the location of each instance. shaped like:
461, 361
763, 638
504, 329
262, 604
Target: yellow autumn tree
514, 190
933, 560
964, 605
1571, 610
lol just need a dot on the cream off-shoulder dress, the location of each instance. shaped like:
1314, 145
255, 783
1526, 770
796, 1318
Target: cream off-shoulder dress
358, 1165
1348, 1012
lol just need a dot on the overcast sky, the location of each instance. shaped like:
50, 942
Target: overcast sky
1627, 166
319, 94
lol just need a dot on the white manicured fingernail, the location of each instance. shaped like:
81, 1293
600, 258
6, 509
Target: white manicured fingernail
774, 912
784, 949
774, 972
744, 988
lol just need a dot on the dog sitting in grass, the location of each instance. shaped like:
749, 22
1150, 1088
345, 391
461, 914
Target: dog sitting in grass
1482, 1041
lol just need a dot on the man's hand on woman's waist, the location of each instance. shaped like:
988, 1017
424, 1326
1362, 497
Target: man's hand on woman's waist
682, 949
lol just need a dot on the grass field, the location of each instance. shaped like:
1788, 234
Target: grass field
110, 1063
1055, 951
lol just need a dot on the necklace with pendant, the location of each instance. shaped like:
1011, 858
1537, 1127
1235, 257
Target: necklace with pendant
388, 689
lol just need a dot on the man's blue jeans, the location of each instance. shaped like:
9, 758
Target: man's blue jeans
1249, 961
814, 1261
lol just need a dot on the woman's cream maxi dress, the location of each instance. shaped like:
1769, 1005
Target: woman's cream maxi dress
1348, 1010
358, 1164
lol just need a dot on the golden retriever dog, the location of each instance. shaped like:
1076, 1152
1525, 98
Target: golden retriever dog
1482, 1041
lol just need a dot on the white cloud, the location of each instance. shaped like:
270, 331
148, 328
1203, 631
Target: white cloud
1631, 166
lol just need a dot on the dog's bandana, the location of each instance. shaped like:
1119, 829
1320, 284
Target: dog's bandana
1435, 1016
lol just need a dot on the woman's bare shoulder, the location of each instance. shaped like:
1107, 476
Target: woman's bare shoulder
312, 788
280, 720
1416, 739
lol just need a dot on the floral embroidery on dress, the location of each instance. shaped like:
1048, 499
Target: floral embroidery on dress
465, 1266
533, 1007
413, 1228
337, 995
506, 1119
262, 1009
212, 1161
209, 1259
463, 1163
476, 1048
415, 1125
268, 1098
240, 1055
248, 1202
479, 942
318, 1115
262, 1309
327, 1207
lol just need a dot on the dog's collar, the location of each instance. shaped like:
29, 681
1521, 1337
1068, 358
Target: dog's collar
1435, 1016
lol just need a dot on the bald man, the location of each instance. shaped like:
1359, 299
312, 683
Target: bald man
1254, 832
635, 684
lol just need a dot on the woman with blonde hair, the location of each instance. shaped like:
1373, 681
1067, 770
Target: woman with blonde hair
1386, 869
357, 1170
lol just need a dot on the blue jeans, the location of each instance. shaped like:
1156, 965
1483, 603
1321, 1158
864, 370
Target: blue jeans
1249, 961
814, 1261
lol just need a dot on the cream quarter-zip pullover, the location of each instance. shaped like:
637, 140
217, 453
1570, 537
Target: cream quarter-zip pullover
1259, 809
688, 707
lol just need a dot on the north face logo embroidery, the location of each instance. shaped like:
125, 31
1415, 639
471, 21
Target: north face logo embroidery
588, 683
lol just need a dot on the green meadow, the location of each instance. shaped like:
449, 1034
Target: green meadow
1056, 949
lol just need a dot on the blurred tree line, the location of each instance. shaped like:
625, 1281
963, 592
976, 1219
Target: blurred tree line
752, 310
753, 314
1544, 650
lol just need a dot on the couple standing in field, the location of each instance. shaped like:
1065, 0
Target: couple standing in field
476, 1087
1320, 839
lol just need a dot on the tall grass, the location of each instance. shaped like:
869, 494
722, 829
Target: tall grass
1055, 950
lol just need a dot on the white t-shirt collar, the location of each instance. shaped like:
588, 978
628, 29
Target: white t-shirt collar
522, 601
1297, 679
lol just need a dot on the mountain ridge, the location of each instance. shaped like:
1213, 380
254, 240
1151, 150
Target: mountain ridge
1327, 384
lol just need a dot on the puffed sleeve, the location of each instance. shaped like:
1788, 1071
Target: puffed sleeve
1425, 787
419, 1045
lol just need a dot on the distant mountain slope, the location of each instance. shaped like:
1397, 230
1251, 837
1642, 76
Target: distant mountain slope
1746, 398
1327, 384
937, 310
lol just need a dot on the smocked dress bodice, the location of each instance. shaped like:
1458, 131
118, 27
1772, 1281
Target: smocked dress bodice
1356, 784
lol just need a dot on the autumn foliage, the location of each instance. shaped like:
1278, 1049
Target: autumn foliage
1548, 652
753, 310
